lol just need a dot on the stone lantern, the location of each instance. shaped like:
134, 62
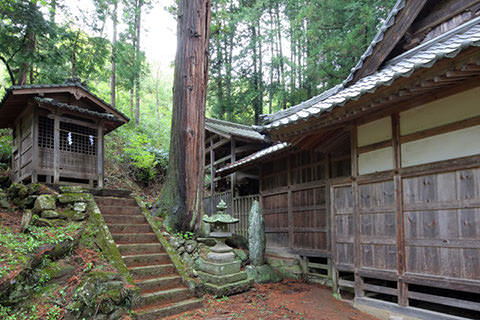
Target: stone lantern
221, 272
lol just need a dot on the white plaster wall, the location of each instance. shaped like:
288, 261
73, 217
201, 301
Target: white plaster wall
375, 161
375, 131
451, 145
440, 112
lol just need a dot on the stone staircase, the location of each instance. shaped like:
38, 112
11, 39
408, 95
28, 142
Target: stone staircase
161, 288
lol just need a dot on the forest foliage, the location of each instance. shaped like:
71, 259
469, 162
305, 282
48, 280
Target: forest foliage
265, 55
41, 42
268, 55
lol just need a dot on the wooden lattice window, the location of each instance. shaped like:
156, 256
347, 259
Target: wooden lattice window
45, 132
78, 139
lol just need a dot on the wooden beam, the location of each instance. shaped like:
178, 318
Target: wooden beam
399, 210
233, 158
221, 160
100, 154
359, 290
442, 11
391, 37
212, 177
56, 148
214, 146
35, 159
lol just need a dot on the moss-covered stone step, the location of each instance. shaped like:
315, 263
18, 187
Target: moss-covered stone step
124, 219
159, 312
134, 237
127, 249
163, 283
146, 259
111, 201
130, 228
121, 210
148, 272
163, 297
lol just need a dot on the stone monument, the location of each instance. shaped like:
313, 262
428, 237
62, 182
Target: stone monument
220, 271
258, 270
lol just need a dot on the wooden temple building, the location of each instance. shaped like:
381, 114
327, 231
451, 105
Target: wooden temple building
225, 143
58, 133
375, 184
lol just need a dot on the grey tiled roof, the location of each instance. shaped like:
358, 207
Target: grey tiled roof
447, 45
78, 109
232, 129
256, 156
63, 85
390, 21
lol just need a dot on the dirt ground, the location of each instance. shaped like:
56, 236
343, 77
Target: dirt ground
285, 300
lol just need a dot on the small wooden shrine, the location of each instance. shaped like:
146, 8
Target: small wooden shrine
58, 133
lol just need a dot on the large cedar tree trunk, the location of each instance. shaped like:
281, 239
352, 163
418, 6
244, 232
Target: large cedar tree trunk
181, 196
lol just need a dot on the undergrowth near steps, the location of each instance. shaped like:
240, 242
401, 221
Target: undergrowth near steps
59, 271
16, 247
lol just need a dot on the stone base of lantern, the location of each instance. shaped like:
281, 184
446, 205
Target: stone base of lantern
224, 278
229, 288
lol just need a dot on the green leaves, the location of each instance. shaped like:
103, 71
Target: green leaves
306, 47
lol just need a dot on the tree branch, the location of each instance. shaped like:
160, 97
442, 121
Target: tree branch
12, 77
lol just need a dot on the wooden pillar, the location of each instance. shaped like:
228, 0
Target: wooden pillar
212, 178
233, 176
356, 214
289, 202
56, 148
398, 185
35, 154
18, 149
100, 154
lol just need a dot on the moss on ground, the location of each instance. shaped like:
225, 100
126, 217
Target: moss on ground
72, 271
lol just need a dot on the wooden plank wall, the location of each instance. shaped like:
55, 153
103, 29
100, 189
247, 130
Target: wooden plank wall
410, 236
295, 197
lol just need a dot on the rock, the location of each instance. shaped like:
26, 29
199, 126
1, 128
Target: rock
240, 254
287, 267
106, 307
71, 189
79, 216
117, 314
50, 214
175, 243
262, 274
187, 259
80, 207
26, 219
5, 181
44, 202
34, 188
29, 202
72, 198
3, 201
42, 222
181, 241
17, 190
190, 246
256, 235
181, 250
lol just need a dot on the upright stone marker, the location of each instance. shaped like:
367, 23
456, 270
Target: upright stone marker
256, 235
